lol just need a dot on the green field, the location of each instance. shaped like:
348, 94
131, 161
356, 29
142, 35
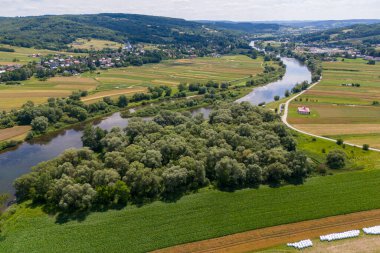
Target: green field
357, 159
95, 44
338, 110
195, 217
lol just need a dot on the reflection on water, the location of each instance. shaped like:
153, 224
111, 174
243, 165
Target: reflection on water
295, 73
19, 161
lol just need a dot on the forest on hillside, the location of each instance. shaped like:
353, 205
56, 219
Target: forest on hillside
56, 32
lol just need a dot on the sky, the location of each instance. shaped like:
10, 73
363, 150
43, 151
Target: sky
235, 10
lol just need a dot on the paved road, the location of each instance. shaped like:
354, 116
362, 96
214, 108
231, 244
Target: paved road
285, 117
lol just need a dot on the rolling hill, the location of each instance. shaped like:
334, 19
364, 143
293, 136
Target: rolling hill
359, 32
56, 32
248, 27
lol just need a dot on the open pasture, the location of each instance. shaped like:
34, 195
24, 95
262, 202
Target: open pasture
338, 110
95, 44
172, 72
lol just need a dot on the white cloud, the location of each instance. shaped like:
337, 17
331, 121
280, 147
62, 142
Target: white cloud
246, 10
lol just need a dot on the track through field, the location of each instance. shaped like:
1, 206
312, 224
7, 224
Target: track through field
273, 236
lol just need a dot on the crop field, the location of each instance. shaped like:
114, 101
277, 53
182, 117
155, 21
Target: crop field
207, 214
22, 54
345, 111
95, 44
172, 72
114, 82
14, 96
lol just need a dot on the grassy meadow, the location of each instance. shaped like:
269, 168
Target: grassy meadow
204, 215
343, 111
95, 44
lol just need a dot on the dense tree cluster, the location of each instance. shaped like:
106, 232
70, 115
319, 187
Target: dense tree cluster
238, 146
20, 74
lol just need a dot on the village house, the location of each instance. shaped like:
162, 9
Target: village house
303, 110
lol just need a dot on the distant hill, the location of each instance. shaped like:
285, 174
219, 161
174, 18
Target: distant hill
247, 27
56, 32
327, 24
369, 33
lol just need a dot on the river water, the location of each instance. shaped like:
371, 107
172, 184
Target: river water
20, 160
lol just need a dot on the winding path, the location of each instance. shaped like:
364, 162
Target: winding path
284, 119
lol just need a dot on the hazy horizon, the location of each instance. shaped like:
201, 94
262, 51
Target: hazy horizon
215, 10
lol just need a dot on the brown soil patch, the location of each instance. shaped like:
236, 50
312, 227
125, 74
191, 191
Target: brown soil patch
367, 244
273, 236
337, 129
9, 133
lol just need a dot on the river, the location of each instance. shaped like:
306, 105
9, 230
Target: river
20, 160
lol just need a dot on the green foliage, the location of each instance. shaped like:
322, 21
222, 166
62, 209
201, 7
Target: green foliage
351, 32
239, 146
40, 124
56, 32
371, 62
336, 159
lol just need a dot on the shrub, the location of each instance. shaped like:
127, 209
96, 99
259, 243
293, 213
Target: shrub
40, 124
339, 142
366, 147
336, 159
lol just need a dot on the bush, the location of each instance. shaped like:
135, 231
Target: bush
40, 124
339, 142
276, 98
366, 147
336, 159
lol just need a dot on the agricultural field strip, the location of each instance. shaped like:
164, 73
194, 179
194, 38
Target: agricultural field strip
273, 236
147, 75
285, 116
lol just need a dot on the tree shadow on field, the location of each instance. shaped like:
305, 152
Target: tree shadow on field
296, 181
63, 218
80, 216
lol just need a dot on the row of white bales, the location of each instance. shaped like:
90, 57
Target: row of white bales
336, 236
